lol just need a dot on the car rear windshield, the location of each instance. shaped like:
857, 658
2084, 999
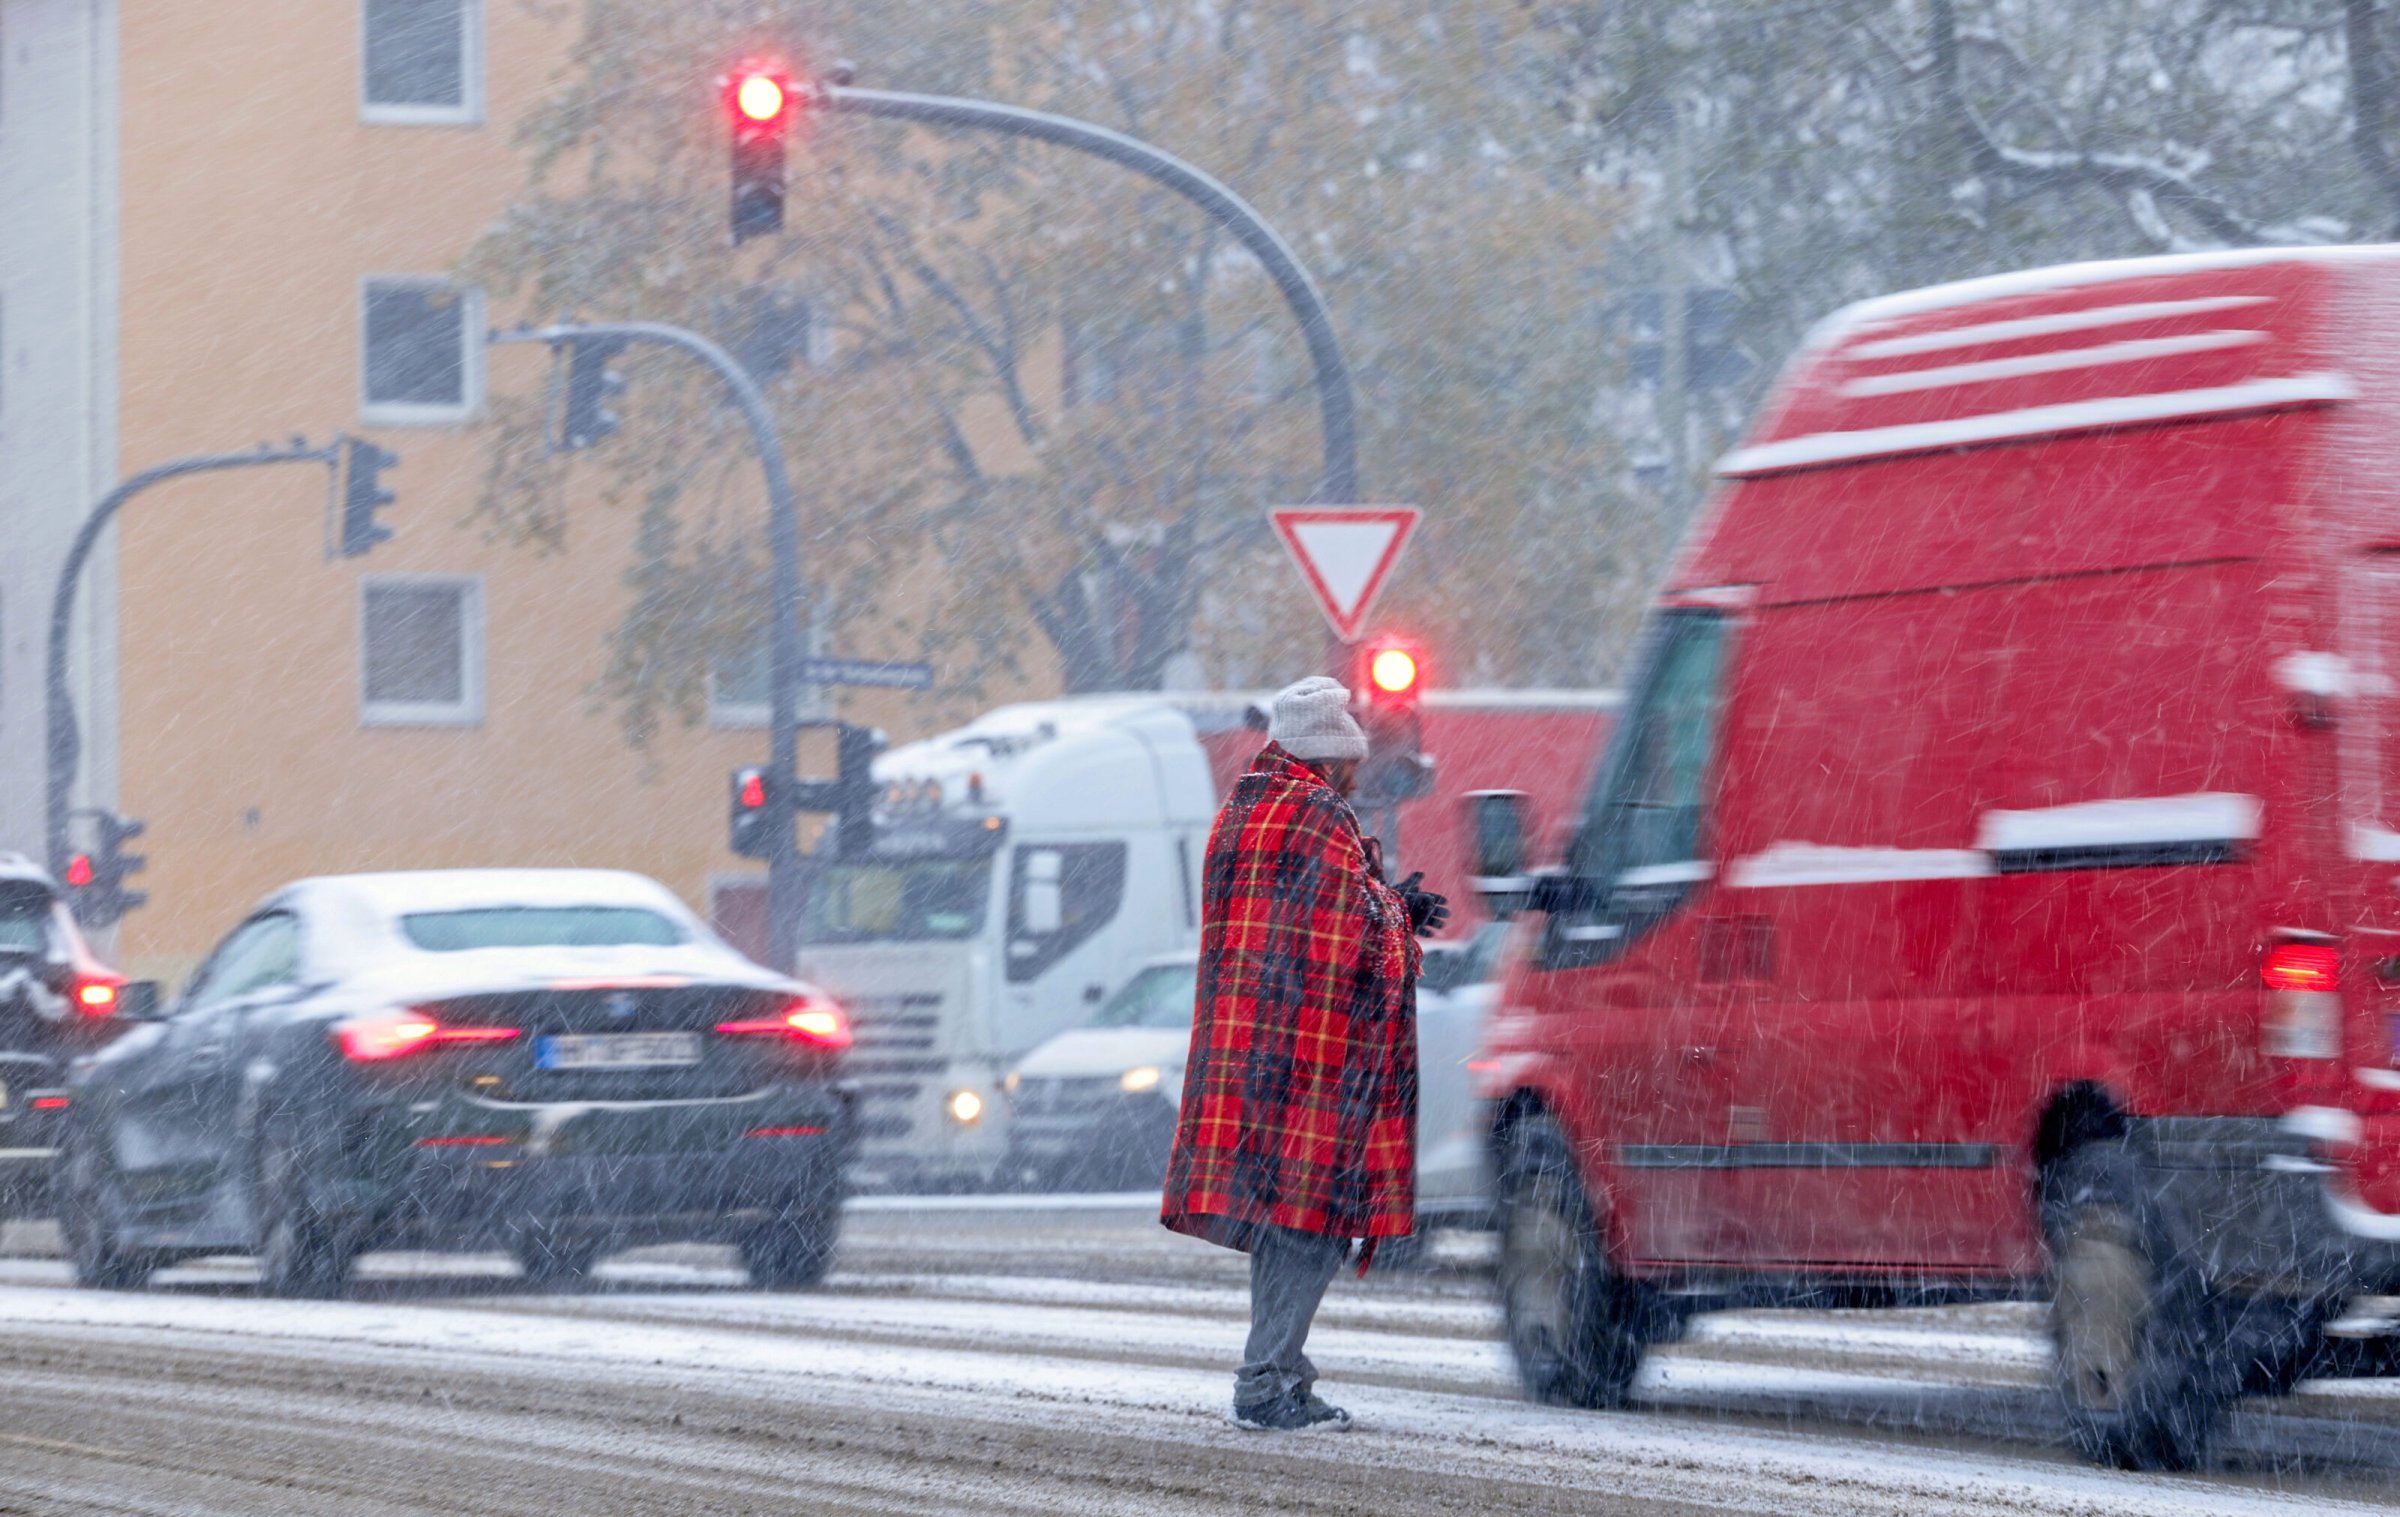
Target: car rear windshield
539, 927
1160, 996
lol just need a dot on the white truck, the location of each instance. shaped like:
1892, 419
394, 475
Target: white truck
1026, 864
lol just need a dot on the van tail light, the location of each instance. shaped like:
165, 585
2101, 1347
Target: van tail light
393, 1035
2304, 1010
820, 1024
93, 996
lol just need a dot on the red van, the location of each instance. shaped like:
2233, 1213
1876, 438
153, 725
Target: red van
1992, 885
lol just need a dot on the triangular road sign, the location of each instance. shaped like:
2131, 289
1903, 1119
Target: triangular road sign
1345, 553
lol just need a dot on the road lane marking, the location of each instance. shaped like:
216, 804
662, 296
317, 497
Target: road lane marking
60, 1445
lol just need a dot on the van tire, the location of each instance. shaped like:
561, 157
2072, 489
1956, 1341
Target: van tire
2129, 1317
2274, 1344
1574, 1323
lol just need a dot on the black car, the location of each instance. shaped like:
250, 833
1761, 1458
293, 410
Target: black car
554, 1062
56, 1001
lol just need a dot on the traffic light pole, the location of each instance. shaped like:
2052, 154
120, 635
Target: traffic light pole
1336, 404
65, 740
784, 651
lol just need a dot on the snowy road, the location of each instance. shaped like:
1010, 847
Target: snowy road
970, 1359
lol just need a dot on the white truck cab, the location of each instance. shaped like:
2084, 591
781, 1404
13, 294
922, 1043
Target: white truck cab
1023, 865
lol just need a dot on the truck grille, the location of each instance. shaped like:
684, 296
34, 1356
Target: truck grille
896, 1043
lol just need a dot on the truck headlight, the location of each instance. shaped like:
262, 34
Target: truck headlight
964, 1106
1138, 1079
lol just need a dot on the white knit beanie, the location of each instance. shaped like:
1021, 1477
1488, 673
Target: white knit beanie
1311, 720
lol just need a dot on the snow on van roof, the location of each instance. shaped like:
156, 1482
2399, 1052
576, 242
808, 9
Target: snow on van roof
2074, 276
1890, 376
1005, 731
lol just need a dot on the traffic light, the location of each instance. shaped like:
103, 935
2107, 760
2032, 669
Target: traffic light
752, 813
591, 384
759, 101
363, 495
854, 811
1390, 678
96, 880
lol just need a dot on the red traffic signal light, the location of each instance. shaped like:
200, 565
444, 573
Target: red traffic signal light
760, 96
753, 789
79, 869
1392, 671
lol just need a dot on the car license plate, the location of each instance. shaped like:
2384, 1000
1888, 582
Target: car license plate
616, 1050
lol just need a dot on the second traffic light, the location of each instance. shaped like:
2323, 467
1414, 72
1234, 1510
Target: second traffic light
760, 103
363, 495
591, 383
752, 813
1390, 681
96, 880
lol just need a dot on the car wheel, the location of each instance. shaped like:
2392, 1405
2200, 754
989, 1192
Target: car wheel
553, 1262
85, 1201
796, 1248
300, 1252
1573, 1322
2127, 1317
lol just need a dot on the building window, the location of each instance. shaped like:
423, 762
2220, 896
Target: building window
421, 345
420, 62
739, 683
420, 645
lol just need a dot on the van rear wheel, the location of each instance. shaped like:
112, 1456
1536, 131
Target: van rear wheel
1573, 1322
2128, 1316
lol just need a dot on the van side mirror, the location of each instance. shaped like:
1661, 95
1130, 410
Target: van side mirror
1496, 823
137, 1000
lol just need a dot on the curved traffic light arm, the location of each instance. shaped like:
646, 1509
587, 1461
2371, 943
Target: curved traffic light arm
65, 741
1337, 406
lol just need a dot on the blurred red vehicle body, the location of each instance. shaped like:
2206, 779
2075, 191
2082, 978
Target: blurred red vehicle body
2013, 765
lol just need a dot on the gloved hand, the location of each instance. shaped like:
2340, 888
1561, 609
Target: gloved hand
1426, 911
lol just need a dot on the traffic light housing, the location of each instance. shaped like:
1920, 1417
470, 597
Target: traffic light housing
854, 808
363, 495
751, 815
760, 104
1389, 682
96, 880
591, 384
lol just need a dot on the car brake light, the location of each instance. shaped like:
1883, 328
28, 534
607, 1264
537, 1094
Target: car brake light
95, 998
810, 1021
367, 1039
2301, 966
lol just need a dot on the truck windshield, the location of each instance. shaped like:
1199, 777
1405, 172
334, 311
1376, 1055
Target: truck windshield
1160, 996
897, 902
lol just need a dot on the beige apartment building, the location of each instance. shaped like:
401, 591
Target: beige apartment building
227, 223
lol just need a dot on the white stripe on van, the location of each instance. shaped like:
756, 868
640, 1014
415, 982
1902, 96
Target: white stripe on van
2374, 845
2057, 361
2207, 817
1682, 872
1821, 448
1950, 339
1785, 864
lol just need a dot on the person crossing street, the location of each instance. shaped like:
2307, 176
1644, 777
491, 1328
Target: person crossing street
1297, 1134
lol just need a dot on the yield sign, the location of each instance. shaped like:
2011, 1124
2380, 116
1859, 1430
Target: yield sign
1345, 553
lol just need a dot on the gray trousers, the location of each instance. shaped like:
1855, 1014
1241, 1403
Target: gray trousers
1288, 1274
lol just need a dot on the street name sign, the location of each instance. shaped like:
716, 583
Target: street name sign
878, 673
1345, 553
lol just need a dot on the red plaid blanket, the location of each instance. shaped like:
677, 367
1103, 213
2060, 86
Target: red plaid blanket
1300, 1097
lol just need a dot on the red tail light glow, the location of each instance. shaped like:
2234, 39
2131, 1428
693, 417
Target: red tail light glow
819, 1023
95, 998
52, 1103
368, 1039
2301, 966
785, 1132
